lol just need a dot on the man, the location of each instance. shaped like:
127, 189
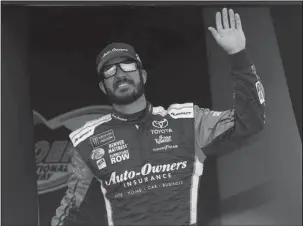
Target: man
148, 160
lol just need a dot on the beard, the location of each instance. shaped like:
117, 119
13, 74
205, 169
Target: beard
129, 97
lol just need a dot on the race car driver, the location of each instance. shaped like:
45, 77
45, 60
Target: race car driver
147, 159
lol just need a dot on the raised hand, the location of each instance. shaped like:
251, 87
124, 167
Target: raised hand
230, 35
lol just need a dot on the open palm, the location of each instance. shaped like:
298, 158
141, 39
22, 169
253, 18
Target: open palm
230, 35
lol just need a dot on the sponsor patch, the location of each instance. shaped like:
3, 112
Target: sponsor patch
117, 146
97, 154
215, 113
147, 170
165, 148
102, 138
81, 136
163, 139
101, 163
119, 156
114, 50
87, 130
161, 131
260, 91
185, 112
119, 118
160, 124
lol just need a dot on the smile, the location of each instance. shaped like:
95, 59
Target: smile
123, 84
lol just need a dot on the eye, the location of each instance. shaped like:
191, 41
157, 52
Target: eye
110, 70
131, 66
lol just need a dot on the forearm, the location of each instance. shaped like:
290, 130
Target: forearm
249, 99
68, 212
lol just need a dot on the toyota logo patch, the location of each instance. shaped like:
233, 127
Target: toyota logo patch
160, 124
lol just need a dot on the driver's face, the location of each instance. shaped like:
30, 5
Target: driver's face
123, 87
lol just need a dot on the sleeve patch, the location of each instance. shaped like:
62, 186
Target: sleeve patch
186, 112
216, 113
260, 91
87, 130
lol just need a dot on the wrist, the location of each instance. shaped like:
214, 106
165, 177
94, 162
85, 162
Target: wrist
235, 51
240, 59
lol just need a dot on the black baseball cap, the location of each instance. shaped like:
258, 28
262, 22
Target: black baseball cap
114, 50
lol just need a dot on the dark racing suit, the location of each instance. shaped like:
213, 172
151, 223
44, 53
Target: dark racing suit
149, 164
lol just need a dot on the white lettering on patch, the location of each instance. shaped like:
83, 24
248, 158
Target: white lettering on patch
87, 130
260, 91
114, 50
215, 113
163, 139
181, 111
161, 131
101, 163
146, 170
119, 157
102, 138
165, 148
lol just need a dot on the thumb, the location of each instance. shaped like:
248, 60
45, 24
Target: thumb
214, 32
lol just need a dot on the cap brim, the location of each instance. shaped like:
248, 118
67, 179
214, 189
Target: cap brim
114, 55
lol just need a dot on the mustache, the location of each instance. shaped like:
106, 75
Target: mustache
124, 80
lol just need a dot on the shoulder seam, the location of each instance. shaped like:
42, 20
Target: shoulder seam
180, 106
159, 110
92, 123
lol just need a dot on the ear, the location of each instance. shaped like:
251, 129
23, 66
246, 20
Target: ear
144, 76
101, 86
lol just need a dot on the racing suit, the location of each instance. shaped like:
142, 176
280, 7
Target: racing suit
149, 164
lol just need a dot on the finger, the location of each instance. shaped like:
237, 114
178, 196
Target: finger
214, 32
238, 22
219, 21
232, 19
225, 18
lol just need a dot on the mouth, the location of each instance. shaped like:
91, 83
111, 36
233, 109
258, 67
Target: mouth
123, 84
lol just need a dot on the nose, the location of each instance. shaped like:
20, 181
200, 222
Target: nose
120, 72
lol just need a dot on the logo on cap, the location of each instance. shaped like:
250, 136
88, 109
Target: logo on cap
114, 50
